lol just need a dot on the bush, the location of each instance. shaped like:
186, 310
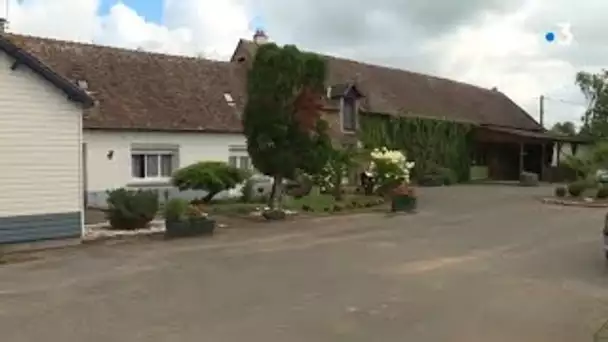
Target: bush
602, 192
528, 179
560, 191
176, 209
131, 209
210, 176
577, 188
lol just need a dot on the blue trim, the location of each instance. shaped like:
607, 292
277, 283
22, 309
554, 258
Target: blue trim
29, 228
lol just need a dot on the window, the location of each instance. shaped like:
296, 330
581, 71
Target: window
349, 114
239, 158
152, 165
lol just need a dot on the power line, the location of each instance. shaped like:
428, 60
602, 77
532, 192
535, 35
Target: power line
568, 102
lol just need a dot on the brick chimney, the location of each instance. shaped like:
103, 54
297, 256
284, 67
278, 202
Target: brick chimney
260, 37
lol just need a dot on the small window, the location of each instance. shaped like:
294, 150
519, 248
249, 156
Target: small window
152, 165
229, 99
233, 161
349, 114
238, 157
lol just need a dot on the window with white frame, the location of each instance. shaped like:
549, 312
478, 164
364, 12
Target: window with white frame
238, 157
152, 165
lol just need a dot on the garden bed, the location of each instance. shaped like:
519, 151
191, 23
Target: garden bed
310, 205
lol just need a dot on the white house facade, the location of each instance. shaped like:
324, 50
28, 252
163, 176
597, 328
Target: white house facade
146, 160
40, 151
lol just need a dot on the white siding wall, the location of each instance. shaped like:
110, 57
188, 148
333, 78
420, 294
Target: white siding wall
39, 145
105, 173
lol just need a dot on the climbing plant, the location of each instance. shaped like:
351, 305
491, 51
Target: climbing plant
429, 143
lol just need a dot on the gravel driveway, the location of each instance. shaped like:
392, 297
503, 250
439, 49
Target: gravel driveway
477, 263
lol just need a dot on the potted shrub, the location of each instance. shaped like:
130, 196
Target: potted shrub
576, 189
403, 198
183, 219
131, 209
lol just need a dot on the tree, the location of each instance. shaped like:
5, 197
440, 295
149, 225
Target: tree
594, 87
564, 128
210, 176
282, 118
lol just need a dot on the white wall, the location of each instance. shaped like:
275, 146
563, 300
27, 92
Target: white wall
105, 174
39, 145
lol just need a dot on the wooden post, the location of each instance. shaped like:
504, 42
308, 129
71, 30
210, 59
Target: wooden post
521, 157
543, 160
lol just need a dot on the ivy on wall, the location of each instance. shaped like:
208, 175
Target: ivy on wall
429, 143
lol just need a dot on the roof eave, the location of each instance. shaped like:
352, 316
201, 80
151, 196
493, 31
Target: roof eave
73, 92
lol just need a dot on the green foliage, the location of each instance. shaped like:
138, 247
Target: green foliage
131, 209
210, 176
278, 145
282, 117
594, 87
564, 128
176, 209
575, 189
560, 191
339, 164
428, 142
602, 192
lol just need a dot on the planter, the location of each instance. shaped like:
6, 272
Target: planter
405, 203
191, 227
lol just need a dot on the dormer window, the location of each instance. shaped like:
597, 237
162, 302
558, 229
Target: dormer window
349, 96
349, 114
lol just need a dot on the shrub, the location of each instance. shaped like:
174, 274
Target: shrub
176, 209
602, 192
577, 188
528, 179
560, 191
210, 176
131, 209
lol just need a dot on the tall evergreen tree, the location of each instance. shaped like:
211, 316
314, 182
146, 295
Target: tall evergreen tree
282, 119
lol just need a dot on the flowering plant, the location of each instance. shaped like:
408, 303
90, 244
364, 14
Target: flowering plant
389, 167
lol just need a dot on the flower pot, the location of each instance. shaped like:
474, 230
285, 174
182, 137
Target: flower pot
404, 203
191, 227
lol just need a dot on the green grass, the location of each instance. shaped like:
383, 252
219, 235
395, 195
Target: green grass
312, 203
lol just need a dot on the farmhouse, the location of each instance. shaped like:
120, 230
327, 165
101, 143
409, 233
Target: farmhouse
503, 140
153, 113
40, 149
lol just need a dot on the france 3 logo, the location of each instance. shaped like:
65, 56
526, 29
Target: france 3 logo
562, 36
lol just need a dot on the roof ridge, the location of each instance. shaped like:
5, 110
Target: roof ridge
393, 68
110, 47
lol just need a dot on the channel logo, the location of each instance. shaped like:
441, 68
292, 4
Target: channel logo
562, 36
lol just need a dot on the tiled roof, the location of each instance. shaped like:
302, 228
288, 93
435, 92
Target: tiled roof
146, 91
400, 92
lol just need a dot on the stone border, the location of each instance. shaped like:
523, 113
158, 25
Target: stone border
574, 203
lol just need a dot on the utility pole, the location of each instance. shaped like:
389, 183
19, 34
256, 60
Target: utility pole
541, 110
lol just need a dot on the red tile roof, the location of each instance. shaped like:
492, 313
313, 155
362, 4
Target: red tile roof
145, 91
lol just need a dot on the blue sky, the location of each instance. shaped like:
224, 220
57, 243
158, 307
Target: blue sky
152, 10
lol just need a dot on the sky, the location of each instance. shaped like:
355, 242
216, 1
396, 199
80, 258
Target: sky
490, 43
